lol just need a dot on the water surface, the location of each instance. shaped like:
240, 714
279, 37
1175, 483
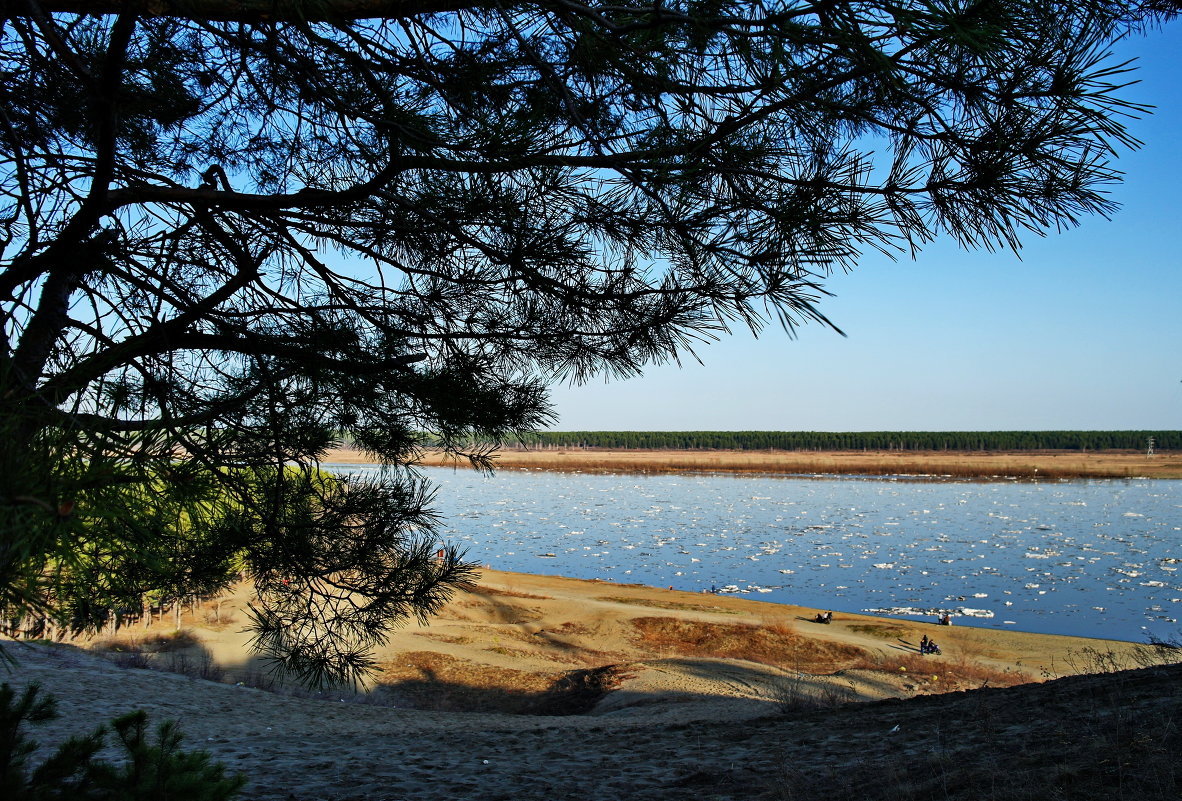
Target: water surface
1094, 558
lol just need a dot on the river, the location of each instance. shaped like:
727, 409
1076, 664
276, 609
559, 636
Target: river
1097, 558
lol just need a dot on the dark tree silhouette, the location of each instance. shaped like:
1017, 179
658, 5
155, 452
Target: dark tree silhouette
236, 232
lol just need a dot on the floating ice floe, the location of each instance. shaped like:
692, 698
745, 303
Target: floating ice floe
730, 589
913, 611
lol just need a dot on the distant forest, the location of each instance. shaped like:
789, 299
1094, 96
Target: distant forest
857, 440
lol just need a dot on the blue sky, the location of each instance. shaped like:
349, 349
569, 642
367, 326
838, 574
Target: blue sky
1082, 331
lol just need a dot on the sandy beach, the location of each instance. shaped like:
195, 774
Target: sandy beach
536, 687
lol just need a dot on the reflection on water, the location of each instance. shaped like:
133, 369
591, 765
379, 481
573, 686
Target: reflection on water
1095, 558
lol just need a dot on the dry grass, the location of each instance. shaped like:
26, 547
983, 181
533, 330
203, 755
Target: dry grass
553, 645
572, 629
172, 652
217, 615
152, 643
496, 613
451, 639
672, 605
941, 673
428, 680
884, 631
484, 589
771, 644
797, 692
1098, 660
1022, 464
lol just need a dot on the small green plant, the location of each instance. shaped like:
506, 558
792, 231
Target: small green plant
152, 770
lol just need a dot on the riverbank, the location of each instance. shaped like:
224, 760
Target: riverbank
1013, 464
542, 687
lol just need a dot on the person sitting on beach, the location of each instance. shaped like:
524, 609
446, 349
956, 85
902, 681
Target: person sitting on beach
829, 617
946, 620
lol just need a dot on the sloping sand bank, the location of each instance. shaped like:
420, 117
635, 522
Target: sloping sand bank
681, 696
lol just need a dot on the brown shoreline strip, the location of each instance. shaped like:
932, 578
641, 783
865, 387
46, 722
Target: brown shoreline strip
958, 464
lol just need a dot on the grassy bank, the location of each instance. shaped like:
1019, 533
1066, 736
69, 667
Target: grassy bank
1016, 464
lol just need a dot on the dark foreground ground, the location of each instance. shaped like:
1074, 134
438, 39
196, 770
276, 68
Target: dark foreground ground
1113, 736
1103, 737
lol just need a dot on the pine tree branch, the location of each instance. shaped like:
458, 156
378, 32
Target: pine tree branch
248, 10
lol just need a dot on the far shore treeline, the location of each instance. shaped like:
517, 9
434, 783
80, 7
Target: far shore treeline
855, 440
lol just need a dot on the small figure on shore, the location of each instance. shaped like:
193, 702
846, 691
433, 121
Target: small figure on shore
946, 620
927, 646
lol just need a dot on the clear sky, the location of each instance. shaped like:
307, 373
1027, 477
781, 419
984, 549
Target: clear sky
1082, 331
